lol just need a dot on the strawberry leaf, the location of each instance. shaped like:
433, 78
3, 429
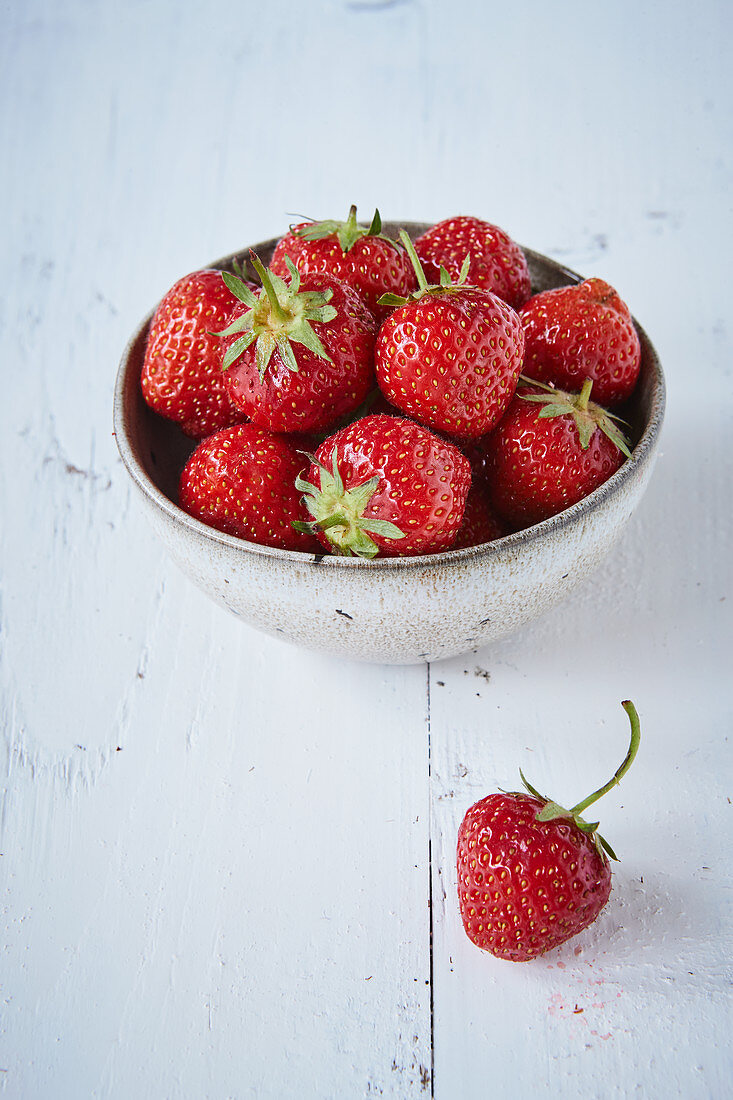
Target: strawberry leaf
607, 847
239, 289
531, 789
616, 436
286, 353
394, 301
264, 348
463, 273
280, 285
375, 228
236, 349
551, 810
338, 485
361, 546
549, 409
382, 527
241, 324
304, 486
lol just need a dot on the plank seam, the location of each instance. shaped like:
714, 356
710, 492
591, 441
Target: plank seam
430, 890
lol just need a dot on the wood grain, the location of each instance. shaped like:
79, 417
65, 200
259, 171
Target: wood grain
227, 865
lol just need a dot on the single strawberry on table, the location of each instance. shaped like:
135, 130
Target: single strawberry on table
359, 255
496, 262
550, 450
449, 355
241, 480
300, 353
385, 485
582, 331
532, 874
181, 375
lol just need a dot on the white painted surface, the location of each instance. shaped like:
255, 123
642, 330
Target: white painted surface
215, 848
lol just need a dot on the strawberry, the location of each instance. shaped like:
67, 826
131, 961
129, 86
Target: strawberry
496, 263
479, 525
582, 331
361, 256
475, 452
384, 485
532, 874
181, 374
241, 480
541, 461
301, 354
450, 355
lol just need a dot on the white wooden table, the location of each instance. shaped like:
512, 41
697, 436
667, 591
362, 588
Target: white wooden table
227, 865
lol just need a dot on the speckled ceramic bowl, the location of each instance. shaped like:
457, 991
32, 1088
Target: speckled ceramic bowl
395, 610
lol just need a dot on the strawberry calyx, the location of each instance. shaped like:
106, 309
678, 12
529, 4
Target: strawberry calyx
446, 284
276, 319
552, 810
339, 512
586, 413
347, 233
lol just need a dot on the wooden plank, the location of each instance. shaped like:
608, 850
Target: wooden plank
237, 901
645, 986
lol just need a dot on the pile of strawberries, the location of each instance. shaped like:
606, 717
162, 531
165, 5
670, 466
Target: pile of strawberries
371, 396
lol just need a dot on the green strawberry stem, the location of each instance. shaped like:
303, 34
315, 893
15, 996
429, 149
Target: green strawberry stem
584, 395
277, 312
551, 810
627, 762
352, 227
446, 285
422, 281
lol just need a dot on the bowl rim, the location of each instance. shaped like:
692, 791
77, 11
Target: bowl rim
640, 455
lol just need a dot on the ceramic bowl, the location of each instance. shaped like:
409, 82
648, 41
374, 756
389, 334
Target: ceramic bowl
393, 610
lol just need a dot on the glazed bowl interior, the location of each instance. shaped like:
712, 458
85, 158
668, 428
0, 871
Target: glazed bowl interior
299, 596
